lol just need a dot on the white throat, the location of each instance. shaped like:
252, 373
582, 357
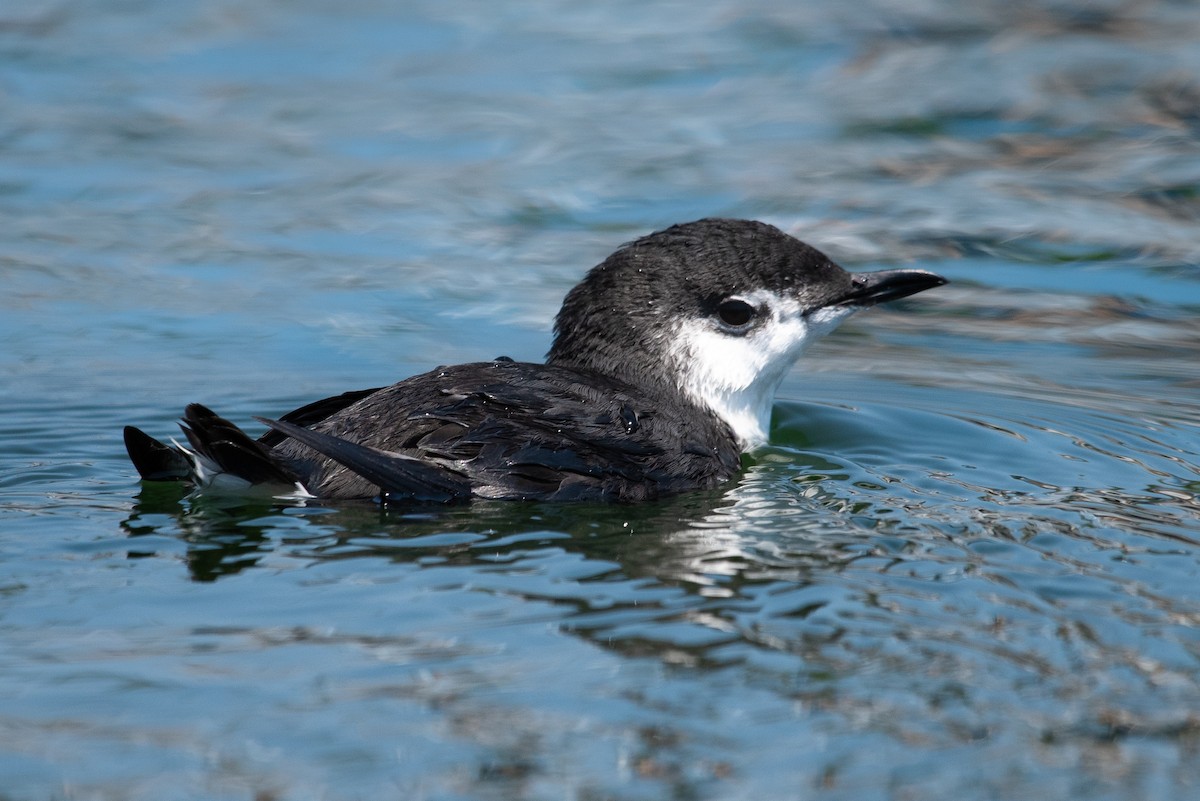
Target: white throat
736, 376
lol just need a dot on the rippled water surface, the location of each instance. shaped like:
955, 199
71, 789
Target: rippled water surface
967, 568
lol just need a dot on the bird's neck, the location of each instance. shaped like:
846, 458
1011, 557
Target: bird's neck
745, 408
738, 391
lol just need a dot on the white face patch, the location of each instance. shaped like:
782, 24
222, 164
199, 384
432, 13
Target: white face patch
736, 375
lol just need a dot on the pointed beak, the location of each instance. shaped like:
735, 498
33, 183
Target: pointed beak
870, 288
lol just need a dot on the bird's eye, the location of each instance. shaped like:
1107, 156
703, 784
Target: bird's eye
735, 313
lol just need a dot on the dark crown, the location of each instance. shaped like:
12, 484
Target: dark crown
618, 319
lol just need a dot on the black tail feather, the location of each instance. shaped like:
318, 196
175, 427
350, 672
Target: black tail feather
398, 477
232, 449
154, 460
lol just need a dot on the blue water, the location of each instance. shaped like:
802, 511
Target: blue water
966, 568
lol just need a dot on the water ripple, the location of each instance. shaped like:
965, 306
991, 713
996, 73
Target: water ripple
966, 568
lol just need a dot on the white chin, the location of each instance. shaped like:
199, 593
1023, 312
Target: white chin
737, 376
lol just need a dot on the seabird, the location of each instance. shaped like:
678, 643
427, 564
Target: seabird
664, 365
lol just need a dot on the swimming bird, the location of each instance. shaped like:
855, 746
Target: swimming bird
663, 369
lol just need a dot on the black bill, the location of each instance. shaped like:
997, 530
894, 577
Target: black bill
871, 288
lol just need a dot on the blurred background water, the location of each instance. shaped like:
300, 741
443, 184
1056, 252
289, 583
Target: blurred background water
967, 568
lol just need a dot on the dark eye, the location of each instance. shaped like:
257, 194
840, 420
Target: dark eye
735, 313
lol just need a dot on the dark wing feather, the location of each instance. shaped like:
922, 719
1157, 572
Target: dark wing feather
398, 477
312, 413
519, 430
